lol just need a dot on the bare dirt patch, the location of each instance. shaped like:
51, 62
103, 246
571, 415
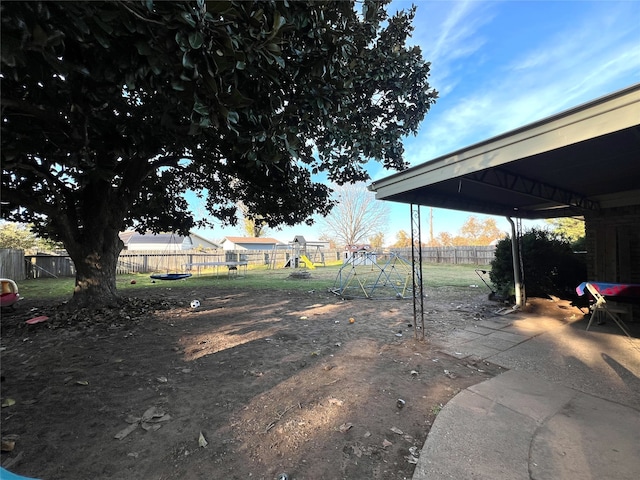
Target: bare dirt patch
250, 384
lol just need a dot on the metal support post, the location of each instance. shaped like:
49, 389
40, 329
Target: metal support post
416, 263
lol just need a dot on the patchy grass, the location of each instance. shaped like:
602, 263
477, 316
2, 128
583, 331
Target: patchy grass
321, 279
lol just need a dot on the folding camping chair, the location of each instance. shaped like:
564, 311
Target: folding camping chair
602, 308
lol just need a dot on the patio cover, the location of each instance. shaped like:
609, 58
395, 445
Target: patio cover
586, 158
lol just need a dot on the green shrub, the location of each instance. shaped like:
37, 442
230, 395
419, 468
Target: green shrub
550, 266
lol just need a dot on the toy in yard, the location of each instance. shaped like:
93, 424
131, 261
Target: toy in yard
172, 272
302, 254
9, 296
170, 276
366, 277
481, 273
36, 320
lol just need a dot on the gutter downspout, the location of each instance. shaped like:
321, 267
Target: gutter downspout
517, 279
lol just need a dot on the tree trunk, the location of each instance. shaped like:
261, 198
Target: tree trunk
95, 259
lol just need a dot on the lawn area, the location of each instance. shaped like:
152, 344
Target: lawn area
322, 279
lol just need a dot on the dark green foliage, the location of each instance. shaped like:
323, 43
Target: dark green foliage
550, 266
579, 245
113, 111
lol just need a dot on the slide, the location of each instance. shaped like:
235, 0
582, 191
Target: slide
307, 263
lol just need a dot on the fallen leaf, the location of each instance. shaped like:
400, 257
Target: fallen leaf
150, 426
396, 430
7, 402
8, 445
345, 427
356, 450
164, 418
126, 431
202, 441
150, 413
386, 443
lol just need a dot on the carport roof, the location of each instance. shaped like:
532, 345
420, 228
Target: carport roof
586, 158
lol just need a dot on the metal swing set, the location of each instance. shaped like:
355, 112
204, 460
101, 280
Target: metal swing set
171, 273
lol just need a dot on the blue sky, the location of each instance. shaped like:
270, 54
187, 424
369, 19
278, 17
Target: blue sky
500, 65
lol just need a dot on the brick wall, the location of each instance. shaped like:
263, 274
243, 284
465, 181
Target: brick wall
613, 245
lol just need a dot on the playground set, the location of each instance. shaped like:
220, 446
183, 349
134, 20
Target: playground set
302, 254
364, 274
367, 274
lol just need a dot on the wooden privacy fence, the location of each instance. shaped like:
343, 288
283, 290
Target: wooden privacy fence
14, 264
49, 266
154, 261
453, 255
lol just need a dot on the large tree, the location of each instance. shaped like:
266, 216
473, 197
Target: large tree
112, 111
356, 216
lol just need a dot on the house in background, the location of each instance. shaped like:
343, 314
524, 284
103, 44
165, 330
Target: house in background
312, 244
200, 243
251, 243
359, 255
164, 242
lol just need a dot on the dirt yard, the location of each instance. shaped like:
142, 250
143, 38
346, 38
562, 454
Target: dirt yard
250, 385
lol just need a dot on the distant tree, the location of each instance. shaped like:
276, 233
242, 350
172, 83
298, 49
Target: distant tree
403, 240
479, 233
113, 111
570, 228
20, 236
255, 228
356, 216
332, 241
377, 240
472, 233
254, 225
15, 235
444, 239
